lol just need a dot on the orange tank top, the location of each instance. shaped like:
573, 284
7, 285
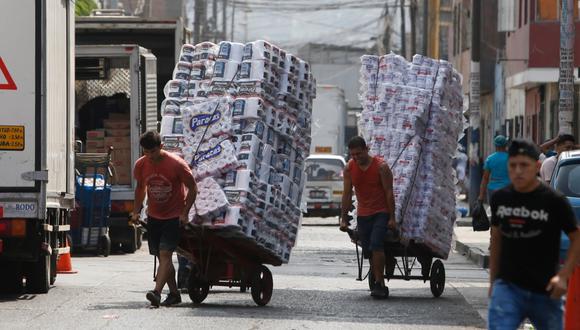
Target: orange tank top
370, 194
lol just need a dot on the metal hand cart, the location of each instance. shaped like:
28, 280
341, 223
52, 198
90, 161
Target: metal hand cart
222, 257
401, 261
90, 231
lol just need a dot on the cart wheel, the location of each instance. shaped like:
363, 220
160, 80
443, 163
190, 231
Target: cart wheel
437, 278
198, 289
105, 245
243, 286
139, 237
262, 286
130, 245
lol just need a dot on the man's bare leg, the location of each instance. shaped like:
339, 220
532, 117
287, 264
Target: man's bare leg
164, 271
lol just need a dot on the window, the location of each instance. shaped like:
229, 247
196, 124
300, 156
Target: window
568, 180
549, 10
324, 169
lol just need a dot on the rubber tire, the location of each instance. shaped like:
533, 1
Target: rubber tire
371, 278
139, 237
198, 289
53, 263
105, 245
10, 278
131, 245
262, 286
38, 275
437, 278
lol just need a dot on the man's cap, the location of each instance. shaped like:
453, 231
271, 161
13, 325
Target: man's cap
500, 141
525, 148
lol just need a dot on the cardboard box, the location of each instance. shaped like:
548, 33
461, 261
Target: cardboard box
118, 142
116, 124
95, 144
119, 116
122, 176
121, 157
118, 132
96, 134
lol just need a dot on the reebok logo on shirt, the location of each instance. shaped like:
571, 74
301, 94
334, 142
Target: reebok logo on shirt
523, 212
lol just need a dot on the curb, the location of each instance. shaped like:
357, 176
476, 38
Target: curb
476, 255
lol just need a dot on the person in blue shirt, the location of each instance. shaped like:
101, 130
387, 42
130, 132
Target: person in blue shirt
495, 171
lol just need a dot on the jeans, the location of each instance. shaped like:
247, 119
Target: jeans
511, 304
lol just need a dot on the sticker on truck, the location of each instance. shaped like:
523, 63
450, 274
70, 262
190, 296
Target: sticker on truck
12, 138
18, 209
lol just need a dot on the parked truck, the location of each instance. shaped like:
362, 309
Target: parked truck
116, 97
36, 140
323, 190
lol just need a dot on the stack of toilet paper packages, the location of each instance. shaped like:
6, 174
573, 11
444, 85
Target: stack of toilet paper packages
412, 118
239, 114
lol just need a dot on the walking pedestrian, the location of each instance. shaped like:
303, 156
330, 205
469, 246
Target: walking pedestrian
372, 180
527, 219
495, 172
564, 142
163, 177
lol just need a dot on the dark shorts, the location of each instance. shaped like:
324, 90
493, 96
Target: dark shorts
372, 230
162, 235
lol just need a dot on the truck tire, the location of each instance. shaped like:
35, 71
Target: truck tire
130, 243
105, 245
53, 261
38, 275
10, 278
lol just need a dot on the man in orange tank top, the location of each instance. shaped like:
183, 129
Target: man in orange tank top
372, 180
163, 177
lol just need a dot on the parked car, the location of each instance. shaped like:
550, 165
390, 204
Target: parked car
324, 184
566, 179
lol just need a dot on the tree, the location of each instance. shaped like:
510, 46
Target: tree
84, 7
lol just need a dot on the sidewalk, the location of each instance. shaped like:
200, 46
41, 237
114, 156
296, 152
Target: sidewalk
472, 244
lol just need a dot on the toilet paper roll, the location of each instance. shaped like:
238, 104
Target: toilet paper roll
187, 52
182, 70
175, 88
205, 51
232, 51
257, 50
256, 70
251, 107
225, 70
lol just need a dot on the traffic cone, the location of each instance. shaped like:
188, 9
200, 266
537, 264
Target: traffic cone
64, 264
572, 316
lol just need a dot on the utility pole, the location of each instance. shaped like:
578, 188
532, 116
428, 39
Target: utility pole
214, 15
197, 21
403, 30
224, 19
566, 83
425, 26
433, 49
474, 115
413, 14
233, 19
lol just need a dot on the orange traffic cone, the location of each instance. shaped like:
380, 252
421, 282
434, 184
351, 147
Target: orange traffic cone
572, 316
64, 264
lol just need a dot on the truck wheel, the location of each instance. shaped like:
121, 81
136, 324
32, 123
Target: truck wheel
38, 275
10, 278
130, 245
105, 245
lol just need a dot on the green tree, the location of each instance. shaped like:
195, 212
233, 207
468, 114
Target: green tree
84, 7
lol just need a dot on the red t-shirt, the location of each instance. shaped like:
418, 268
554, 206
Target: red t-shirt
164, 181
370, 194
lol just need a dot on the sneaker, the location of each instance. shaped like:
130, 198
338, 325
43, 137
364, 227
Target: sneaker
379, 291
154, 298
172, 299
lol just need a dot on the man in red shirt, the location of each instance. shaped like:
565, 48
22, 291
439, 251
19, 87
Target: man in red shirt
164, 177
372, 180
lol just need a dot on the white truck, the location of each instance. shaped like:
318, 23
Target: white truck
116, 97
323, 190
36, 140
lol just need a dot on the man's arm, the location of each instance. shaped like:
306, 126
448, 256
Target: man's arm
191, 186
483, 186
559, 283
494, 253
544, 147
346, 198
387, 183
140, 192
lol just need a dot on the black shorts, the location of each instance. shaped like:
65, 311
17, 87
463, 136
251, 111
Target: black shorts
372, 230
163, 235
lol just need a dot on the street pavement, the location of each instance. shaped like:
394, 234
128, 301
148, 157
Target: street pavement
316, 290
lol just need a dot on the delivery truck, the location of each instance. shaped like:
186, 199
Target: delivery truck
116, 97
323, 190
36, 140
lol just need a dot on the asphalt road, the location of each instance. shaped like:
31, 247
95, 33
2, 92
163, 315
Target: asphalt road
316, 290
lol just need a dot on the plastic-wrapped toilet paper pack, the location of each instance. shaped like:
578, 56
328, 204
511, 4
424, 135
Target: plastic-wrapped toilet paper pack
207, 119
186, 53
212, 161
249, 108
205, 51
412, 118
232, 51
211, 200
